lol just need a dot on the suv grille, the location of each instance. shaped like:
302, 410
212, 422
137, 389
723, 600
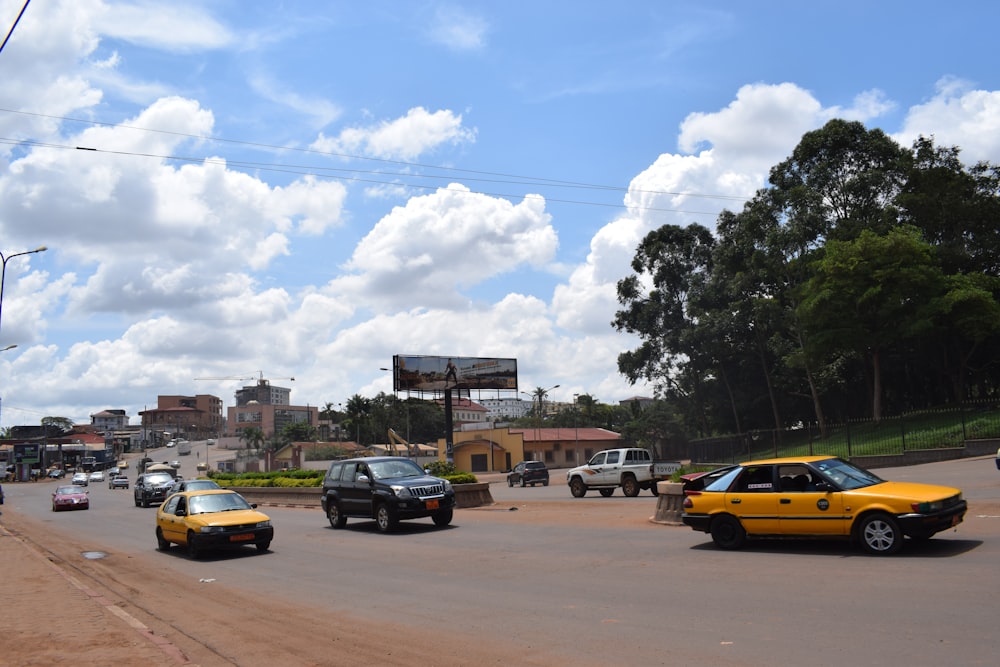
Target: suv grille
429, 490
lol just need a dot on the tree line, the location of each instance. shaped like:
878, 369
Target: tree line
862, 281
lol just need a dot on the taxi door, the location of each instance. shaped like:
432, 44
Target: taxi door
804, 509
754, 501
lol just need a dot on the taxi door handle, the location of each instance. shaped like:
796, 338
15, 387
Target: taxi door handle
736, 501
785, 501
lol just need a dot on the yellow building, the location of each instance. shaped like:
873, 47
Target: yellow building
500, 449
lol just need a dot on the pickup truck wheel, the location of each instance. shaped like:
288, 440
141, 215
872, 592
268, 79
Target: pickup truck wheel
385, 518
333, 515
606, 492
652, 487
727, 532
577, 487
630, 487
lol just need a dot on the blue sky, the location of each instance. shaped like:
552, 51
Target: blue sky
304, 189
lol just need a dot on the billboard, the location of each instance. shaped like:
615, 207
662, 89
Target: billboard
435, 374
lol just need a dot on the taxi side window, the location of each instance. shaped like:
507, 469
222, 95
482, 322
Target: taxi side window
757, 479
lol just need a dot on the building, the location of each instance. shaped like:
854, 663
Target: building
465, 411
500, 449
268, 408
505, 409
190, 417
109, 420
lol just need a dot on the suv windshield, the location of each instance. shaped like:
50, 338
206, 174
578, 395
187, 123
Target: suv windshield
395, 469
159, 478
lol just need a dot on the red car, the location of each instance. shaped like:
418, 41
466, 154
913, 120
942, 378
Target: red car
70, 498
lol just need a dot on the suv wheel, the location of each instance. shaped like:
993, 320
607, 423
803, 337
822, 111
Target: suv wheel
385, 518
522, 482
442, 518
337, 520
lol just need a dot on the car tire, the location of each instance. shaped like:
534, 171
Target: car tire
727, 532
577, 487
192, 546
262, 547
510, 482
545, 483
630, 487
879, 534
333, 515
385, 518
522, 483
442, 518
652, 487
606, 493
161, 544
138, 503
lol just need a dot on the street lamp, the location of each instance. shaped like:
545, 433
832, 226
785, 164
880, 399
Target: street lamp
3, 272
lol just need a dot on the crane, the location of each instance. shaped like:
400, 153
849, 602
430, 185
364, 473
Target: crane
241, 378
396, 440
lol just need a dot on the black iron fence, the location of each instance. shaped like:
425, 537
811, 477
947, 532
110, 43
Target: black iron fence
926, 429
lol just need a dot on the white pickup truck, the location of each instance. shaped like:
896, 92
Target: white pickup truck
630, 468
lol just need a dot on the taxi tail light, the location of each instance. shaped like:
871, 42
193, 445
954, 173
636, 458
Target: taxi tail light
688, 504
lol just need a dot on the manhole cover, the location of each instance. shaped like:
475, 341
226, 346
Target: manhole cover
94, 555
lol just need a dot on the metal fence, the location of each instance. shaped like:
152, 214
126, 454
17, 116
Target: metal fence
926, 429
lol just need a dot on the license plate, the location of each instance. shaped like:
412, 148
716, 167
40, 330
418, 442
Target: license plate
433, 504
241, 538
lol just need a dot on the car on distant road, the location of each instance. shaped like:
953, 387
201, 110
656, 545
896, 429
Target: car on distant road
193, 485
385, 488
211, 519
96, 476
119, 481
56, 473
528, 472
152, 488
817, 497
80, 479
70, 497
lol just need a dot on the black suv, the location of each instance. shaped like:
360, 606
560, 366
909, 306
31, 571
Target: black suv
152, 487
387, 489
528, 472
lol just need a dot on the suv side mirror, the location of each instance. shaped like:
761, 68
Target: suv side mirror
364, 479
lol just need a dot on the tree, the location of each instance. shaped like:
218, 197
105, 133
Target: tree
56, 427
252, 437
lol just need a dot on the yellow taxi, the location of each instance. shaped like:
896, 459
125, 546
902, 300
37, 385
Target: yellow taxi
211, 519
816, 497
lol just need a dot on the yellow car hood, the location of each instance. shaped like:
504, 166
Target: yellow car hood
908, 491
232, 518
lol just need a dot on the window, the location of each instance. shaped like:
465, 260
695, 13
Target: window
614, 457
757, 479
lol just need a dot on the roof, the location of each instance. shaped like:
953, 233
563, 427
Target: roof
790, 459
566, 434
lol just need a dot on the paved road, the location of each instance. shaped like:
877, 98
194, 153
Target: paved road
592, 581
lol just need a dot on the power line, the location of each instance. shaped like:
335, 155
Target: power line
468, 174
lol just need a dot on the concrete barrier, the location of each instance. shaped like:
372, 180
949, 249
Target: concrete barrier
669, 503
466, 495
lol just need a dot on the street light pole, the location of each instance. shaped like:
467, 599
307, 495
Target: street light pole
3, 272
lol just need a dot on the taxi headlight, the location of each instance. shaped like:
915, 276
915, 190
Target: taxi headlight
926, 507
264, 524
212, 529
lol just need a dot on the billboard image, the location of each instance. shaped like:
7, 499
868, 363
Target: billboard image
432, 374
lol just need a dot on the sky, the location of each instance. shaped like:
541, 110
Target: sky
233, 190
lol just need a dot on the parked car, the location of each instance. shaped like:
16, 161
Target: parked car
80, 479
817, 497
385, 488
70, 497
152, 488
192, 485
175, 464
96, 476
528, 472
119, 481
211, 519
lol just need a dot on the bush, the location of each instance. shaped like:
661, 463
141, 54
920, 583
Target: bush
284, 478
448, 471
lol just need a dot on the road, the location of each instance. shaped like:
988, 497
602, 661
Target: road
542, 578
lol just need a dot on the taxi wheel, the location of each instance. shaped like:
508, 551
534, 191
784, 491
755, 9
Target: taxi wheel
262, 547
161, 544
192, 547
880, 534
727, 532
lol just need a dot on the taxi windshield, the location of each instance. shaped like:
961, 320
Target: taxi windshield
847, 475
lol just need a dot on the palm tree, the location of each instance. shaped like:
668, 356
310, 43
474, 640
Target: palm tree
253, 436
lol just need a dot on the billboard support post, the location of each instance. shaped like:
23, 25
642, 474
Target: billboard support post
449, 432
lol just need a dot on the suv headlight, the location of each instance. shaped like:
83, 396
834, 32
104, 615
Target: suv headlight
401, 491
447, 485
